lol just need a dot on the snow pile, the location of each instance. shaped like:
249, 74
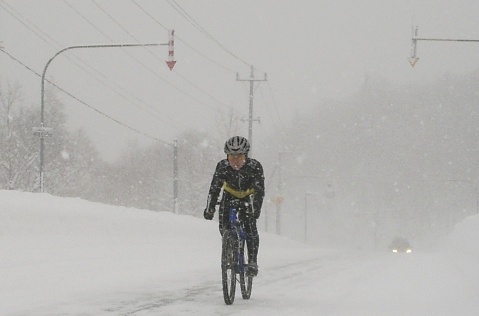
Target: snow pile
464, 237
56, 248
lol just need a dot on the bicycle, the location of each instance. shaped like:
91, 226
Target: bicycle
234, 260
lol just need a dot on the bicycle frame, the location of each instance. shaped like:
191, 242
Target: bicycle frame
233, 260
239, 236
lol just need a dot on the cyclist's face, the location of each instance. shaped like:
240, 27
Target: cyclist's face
237, 161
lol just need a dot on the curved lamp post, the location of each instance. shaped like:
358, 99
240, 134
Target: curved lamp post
43, 131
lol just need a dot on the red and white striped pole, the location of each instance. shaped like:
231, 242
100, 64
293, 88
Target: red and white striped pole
171, 50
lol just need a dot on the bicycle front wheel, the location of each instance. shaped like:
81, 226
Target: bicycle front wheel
228, 265
246, 279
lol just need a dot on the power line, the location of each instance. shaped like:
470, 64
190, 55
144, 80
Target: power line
202, 30
188, 17
120, 92
181, 40
138, 61
84, 103
134, 38
281, 126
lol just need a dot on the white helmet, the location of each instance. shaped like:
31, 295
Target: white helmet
237, 145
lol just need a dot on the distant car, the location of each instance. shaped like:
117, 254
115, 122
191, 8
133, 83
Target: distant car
400, 244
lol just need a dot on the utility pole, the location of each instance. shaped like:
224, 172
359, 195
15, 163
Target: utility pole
251, 80
280, 200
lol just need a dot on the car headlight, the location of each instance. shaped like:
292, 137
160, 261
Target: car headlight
409, 251
395, 250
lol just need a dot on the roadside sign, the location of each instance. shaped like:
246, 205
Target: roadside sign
43, 132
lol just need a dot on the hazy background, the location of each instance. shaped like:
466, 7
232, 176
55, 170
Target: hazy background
377, 147
310, 50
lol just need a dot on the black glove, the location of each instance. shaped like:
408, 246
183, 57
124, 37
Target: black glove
208, 214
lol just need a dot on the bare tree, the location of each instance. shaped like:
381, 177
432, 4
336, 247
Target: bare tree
197, 160
16, 142
69, 157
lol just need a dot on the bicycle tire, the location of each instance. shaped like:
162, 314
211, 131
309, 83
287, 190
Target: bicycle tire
228, 267
246, 281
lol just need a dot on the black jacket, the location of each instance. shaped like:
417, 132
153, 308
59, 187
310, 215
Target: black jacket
239, 182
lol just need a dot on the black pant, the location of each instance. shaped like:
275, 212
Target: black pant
248, 224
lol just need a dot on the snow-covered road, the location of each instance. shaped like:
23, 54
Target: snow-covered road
72, 257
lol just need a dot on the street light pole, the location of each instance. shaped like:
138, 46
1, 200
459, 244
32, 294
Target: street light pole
43, 132
413, 59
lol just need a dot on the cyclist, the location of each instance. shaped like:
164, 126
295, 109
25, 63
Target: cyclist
242, 181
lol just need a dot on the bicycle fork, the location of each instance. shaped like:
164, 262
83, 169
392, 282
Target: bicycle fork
240, 238
239, 258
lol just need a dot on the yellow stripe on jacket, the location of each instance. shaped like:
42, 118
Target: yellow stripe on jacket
236, 193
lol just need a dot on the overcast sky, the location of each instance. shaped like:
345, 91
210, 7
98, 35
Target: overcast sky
311, 50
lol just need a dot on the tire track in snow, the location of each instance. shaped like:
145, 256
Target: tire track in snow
207, 297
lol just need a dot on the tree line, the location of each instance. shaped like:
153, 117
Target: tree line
142, 177
401, 160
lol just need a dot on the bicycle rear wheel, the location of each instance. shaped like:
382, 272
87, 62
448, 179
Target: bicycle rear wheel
228, 265
246, 280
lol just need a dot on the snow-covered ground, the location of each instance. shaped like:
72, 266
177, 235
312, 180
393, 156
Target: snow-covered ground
63, 256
